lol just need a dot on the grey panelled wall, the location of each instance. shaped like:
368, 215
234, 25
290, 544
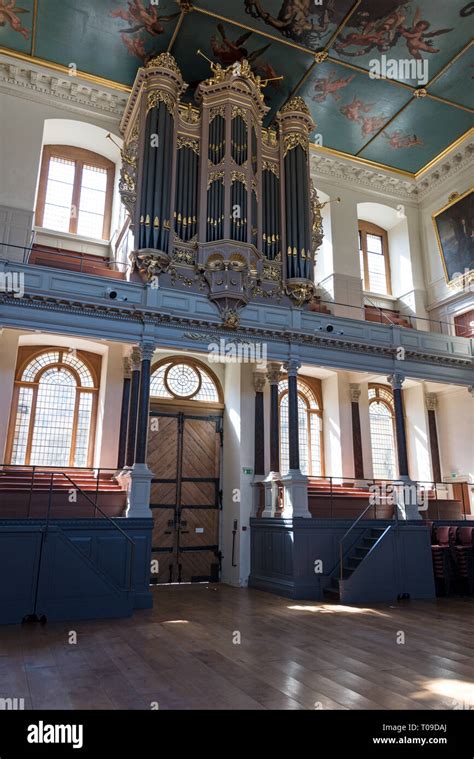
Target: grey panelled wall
284, 552
74, 569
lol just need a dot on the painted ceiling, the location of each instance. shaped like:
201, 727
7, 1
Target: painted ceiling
392, 82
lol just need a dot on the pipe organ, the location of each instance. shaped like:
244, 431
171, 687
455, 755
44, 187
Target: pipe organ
217, 202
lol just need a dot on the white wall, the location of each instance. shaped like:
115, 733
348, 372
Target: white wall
416, 416
455, 421
8, 355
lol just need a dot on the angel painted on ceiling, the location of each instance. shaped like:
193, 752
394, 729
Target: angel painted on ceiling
296, 17
142, 20
400, 140
229, 51
9, 15
330, 85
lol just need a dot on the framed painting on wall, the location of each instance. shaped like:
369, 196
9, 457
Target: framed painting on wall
454, 231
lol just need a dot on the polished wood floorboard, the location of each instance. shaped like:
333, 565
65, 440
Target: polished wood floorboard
216, 647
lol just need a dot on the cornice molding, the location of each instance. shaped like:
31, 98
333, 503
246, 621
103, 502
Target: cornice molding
216, 330
391, 183
34, 82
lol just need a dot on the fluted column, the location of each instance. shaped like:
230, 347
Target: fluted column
135, 360
295, 484
140, 477
396, 381
292, 368
259, 381
274, 376
127, 380
259, 458
356, 433
147, 350
432, 405
271, 482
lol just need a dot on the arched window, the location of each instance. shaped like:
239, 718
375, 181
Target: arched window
75, 192
54, 411
309, 426
184, 380
382, 432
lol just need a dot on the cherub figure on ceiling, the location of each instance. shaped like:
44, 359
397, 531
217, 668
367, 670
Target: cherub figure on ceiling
142, 20
330, 85
296, 18
229, 51
9, 15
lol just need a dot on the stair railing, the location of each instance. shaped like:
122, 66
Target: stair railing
109, 519
341, 542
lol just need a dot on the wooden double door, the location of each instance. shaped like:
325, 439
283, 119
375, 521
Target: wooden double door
184, 452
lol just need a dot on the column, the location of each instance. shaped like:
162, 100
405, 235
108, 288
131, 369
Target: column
271, 482
259, 381
356, 432
295, 484
140, 475
127, 380
259, 459
407, 496
431, 405
147, 350
135, 360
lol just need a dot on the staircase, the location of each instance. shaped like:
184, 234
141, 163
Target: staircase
29, 493
352, 560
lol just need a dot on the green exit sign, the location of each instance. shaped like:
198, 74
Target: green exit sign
247, 470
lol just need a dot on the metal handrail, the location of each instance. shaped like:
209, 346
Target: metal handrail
54, 473
109, 519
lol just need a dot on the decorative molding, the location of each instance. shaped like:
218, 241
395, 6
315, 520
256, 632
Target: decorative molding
396, 381
292, 367
135, 359
274, 373
431, 400
391, 182
259, 381
355, 393
37, 83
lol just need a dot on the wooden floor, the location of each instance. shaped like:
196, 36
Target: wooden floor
292, 655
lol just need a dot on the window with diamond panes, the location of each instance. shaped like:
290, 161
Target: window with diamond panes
382, 433
309, 430
54, 414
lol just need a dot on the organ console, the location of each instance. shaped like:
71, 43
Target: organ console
218, 203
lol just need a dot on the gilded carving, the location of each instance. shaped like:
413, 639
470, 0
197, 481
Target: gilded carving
188, 142
165, 61
294, 140
161, 97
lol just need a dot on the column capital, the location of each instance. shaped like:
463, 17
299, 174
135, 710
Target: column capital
135, 359
292, 367
355, 392
431, 400
274, 373
127, 368
396, 381
147, 349
259, 380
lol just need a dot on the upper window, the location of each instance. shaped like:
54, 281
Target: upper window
374, 258
75, 192
310, 429
184, 381
54, 411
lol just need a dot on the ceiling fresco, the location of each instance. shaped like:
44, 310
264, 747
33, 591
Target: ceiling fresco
388, 81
